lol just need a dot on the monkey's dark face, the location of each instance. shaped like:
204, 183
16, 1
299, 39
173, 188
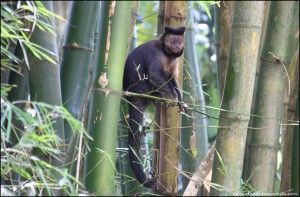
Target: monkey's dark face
173, 44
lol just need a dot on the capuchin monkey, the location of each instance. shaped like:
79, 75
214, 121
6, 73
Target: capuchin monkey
151, 69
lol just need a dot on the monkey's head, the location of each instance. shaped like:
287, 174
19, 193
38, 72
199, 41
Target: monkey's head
173, 41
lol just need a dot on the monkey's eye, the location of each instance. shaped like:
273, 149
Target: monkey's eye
175, 40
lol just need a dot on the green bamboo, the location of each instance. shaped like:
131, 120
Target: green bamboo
201, 120
21, 80
61, 8
20, 92
272, 84
231, 138
224, 20
104, 108
293, 72
77, 58
132, 30
288, 133
44, 78
262, 37
188, 140
129, 184
295, 155
194, 141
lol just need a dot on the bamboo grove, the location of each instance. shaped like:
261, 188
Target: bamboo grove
64, 112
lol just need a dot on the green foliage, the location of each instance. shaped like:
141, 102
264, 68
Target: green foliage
27, 166
17, 25
206, 6
35, 125
146, 24
214, 112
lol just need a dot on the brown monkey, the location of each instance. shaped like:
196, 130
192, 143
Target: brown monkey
151, 69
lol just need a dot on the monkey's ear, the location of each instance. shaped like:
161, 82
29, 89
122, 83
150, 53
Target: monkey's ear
174, 31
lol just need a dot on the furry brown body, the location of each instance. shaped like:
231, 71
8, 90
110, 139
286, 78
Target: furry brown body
151, 69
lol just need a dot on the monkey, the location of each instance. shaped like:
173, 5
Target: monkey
151, 68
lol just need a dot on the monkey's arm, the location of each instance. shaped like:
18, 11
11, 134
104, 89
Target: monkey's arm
182, 107
163, 82
173, 81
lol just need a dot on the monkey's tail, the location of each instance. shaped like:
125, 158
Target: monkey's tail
134, 140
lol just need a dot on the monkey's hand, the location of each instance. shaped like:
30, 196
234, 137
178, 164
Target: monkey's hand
170, 96
166, 103
183, 107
